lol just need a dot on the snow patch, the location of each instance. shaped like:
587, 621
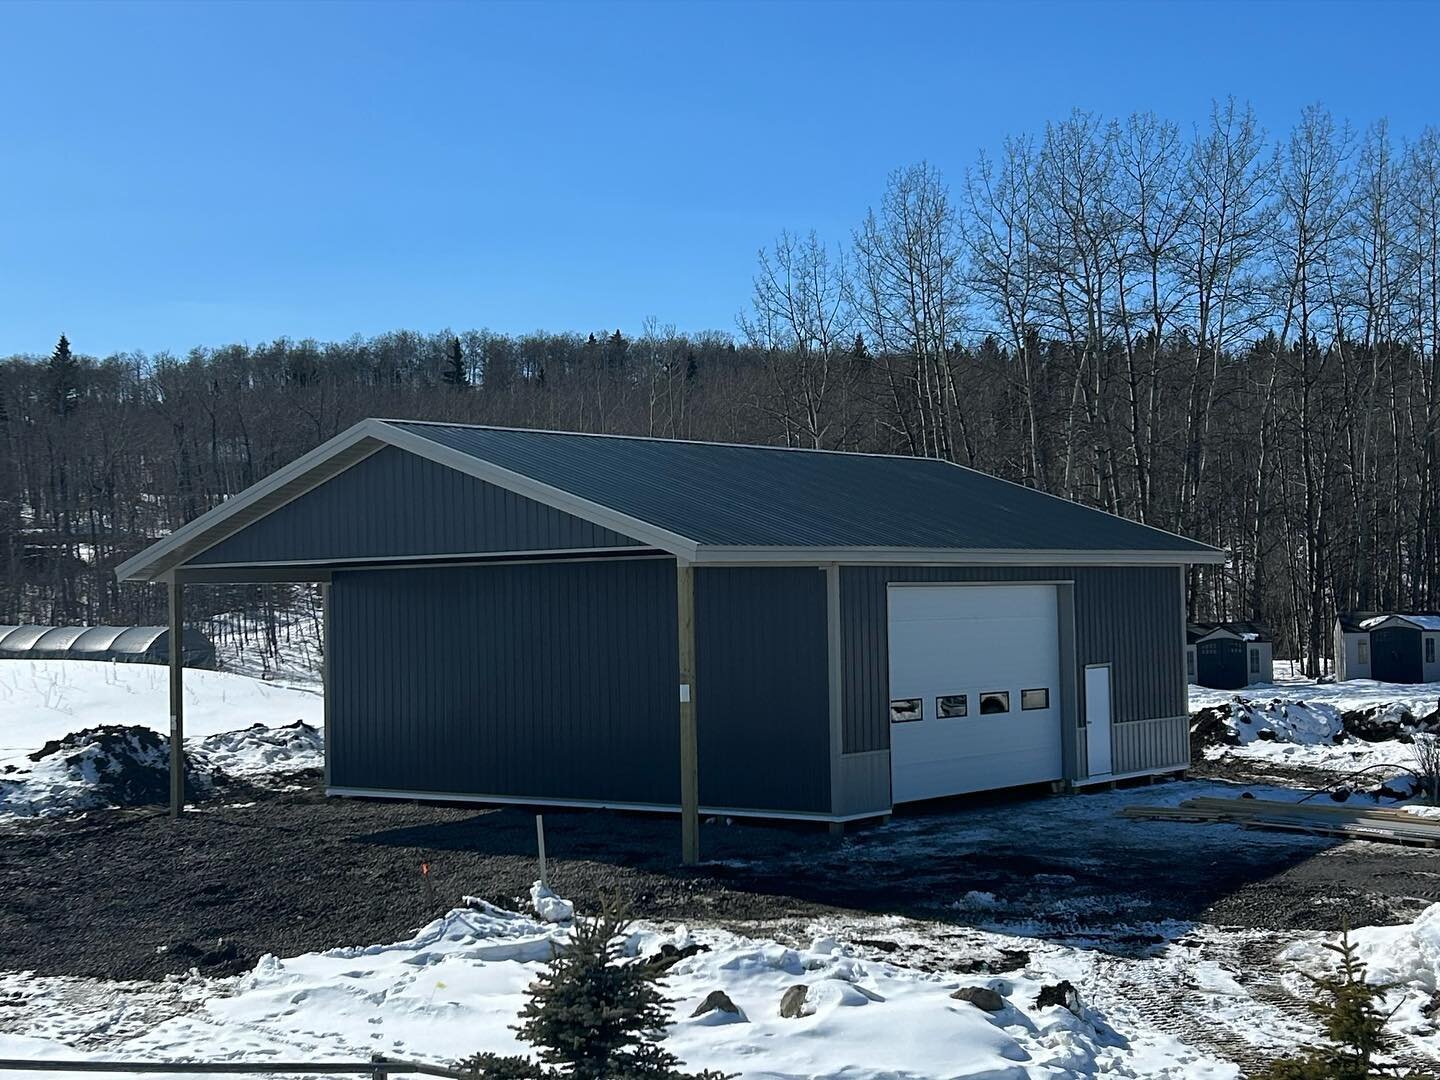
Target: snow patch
456, 986
549, 906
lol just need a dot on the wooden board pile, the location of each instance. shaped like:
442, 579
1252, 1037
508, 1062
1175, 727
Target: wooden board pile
1355, 822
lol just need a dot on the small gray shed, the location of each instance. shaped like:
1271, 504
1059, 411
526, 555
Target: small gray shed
554, 618
1229, 655
1388, 646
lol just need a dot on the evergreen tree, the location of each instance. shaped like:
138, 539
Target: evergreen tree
64, 372
616, 350
455, 374
592, 1016
1353, 1023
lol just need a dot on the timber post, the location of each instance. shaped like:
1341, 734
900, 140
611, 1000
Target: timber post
177, 697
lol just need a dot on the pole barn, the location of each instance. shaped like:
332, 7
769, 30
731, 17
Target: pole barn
560, 619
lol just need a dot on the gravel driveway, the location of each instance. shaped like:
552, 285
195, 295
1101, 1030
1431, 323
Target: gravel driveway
130, 894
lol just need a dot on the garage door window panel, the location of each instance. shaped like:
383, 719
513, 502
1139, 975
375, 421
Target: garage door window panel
1035, 699
907, 710
949, 706
994, 702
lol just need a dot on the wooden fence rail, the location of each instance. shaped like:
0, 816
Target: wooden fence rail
378, 1068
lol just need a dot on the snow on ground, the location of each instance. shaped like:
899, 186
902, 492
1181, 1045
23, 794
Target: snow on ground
457, 985
235, 725
1406, 958
284, 650
1419, 698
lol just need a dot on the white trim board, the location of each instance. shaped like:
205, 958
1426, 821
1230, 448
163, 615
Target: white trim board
598, 804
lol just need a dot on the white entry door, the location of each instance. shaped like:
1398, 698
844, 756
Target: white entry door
1098, 758
974, 688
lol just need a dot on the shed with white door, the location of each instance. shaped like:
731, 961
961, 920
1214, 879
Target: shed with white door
1388, 646
510, 613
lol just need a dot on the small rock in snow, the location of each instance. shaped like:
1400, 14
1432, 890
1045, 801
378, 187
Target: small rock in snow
982, 997
792, 1003
670, 954
717, 1000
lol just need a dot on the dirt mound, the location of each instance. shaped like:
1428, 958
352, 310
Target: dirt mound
1242, 720
1380, 723
109, 765
1208, 727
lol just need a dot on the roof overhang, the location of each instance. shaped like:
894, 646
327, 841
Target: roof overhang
871, 556
331, 458
1408, 622
1220, 633
162, 559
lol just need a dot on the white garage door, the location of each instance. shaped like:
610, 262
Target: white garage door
974, 688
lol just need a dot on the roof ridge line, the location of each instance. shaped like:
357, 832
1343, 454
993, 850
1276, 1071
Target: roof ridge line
663, 439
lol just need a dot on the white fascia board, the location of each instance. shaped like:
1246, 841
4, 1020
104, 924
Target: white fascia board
679, 546
718, 555
148, 564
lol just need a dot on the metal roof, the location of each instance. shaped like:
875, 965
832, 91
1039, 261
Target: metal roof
721, 502
1361, 622
1245, 631
726, 495
124, 643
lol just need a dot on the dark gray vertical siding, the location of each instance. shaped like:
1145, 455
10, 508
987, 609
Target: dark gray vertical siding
544, 680
1127, 616
395, 503
762, 688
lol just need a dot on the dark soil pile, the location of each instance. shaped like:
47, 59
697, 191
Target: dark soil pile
125, 765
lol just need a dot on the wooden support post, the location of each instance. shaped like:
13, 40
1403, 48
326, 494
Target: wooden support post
177, 698
689, 733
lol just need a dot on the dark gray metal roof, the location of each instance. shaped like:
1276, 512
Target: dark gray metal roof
761, 497
1351, 622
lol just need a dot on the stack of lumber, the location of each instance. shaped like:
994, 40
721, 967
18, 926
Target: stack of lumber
1355, 822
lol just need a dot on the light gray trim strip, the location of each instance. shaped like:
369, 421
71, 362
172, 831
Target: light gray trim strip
538, 555
834, 651
1185, 645
858, 556
595, 804
326, 666
1095, 781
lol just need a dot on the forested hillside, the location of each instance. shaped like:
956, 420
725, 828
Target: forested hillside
1218, 331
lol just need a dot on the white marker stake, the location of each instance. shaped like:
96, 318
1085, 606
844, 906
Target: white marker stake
540, 842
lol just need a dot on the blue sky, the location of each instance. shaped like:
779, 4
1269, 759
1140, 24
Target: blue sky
176, 174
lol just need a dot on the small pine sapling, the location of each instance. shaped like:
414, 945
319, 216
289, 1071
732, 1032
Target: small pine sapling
592, 1016
1351, 1018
